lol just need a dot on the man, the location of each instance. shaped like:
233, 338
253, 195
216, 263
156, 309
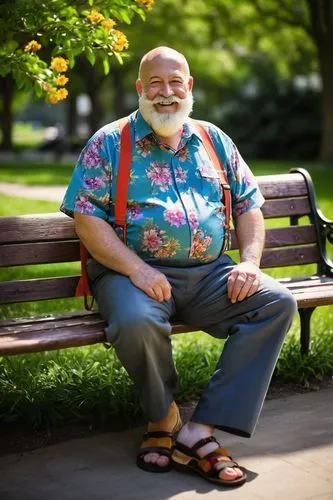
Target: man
172, 263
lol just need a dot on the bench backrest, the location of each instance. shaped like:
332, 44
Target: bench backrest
51, 238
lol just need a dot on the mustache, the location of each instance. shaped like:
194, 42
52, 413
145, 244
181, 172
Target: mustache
166, 100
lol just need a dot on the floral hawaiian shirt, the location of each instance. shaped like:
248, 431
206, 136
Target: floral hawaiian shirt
175, 211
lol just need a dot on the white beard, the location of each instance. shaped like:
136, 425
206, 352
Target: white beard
166, 124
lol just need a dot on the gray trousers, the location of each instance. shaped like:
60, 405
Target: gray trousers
139, 329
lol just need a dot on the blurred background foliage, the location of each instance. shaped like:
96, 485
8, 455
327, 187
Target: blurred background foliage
263, 72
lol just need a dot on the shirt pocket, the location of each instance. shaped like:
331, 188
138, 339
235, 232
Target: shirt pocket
210, 185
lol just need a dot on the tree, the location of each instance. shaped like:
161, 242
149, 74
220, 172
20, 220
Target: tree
315, 19
39, 42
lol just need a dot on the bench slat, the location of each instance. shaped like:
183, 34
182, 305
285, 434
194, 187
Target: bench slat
286, 207
64, 287
282, 185
39, 227
49, 333
290, 236
79, 329
68, 251
290, 256
58, 226
314, 298
39, 253
37, 289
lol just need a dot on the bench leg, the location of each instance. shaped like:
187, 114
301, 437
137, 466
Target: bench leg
305, 317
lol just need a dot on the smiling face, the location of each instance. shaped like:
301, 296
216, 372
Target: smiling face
165, 90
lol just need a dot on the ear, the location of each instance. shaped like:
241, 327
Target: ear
190, 83
138, 86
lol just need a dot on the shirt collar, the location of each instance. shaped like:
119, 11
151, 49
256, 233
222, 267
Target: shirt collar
142, 129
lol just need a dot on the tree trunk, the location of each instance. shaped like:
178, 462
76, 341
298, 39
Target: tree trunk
321, 29
325, 52
94, 118
7, 93
119, 92
71, 115
92, 82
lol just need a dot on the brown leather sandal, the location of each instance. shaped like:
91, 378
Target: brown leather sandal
161, 442
186, 459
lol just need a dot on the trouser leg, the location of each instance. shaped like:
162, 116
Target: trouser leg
255, 328
138, 327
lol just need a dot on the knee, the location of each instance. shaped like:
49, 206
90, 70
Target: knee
284, 301
136, 327
287, 301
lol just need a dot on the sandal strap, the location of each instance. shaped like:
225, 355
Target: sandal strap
157, 434
202, 442
192, 451
224, 464
166, 452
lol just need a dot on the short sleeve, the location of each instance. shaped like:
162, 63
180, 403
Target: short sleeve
245, 192
90, 187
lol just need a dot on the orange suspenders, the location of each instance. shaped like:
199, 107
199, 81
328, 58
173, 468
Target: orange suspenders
123, 176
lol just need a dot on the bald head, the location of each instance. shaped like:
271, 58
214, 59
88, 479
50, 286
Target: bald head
161, 55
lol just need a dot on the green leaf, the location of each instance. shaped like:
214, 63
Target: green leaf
118, 57
124, 16
11, 46
106, 65
38, 89
90, 55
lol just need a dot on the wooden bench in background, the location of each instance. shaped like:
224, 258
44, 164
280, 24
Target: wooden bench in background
50, 238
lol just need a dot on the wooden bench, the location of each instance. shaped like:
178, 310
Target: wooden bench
50, 238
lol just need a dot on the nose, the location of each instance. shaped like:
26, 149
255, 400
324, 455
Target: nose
166, 90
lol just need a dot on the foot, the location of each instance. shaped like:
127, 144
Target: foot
192, 432
169, 424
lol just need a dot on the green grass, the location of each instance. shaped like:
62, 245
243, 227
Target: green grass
12, 205
24, 135
49, 174
88, 384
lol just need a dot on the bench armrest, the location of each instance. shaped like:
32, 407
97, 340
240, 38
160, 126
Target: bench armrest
324, 226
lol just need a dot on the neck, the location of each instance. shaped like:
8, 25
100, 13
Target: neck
173, 140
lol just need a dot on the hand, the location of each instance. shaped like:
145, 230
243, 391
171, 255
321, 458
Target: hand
243, 281
152, 282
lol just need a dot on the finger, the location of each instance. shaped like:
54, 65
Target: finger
158, 293
231, 281
237, 286
244, 292
166, 289
254, 287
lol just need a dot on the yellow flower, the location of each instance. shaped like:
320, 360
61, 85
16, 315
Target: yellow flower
108, 24
121, 42
53, 98
62, 94
146, 3
48, 87
61, 80
95, 17
59, 64
32, 46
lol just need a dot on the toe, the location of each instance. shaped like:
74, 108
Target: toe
229, 474
163, 461
151, 458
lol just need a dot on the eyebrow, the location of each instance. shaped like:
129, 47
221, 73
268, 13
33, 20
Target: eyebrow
160, 78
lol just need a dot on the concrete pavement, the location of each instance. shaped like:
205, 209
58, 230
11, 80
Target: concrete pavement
44, 193
290, 457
